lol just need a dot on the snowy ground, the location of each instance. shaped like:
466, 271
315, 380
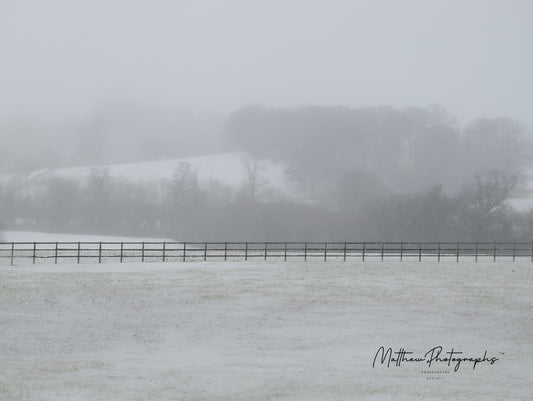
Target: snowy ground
263, 331
30, 236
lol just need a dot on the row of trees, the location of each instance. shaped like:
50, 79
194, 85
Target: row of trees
185, 210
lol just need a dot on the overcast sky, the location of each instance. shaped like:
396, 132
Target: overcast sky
62, 59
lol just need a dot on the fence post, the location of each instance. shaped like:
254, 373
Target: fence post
164, 249
457, 253
364, 246
142, 252
79, 253
13, 251
184, 249
100, 253
205, 251
382, 251
305, 252
514, 252
246, 251
420, 252
266, 247
345, 251
401, 251
285, 251
121, 251
494, 252
438, 254
325, 251
55, 256
34, 250
225, 251
477, 246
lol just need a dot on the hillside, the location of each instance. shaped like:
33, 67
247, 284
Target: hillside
229, 169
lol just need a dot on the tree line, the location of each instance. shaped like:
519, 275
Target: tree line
182, 209
366, 174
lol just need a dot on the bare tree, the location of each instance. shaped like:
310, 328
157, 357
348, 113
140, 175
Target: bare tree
489, 192
485, 215
185, 184
254, 177
98, 189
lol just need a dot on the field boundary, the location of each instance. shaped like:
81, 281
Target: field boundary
12, 253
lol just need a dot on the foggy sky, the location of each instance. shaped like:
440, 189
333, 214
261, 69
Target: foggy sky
61, 59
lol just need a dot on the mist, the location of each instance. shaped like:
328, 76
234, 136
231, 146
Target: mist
392, 120
61, 60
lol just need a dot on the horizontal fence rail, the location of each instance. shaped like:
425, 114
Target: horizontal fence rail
12, 253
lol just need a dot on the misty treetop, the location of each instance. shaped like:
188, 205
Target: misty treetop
409, 149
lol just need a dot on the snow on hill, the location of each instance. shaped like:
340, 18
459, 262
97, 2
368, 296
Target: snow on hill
230, 169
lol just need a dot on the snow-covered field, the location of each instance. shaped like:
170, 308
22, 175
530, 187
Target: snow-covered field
30, 236
263, 331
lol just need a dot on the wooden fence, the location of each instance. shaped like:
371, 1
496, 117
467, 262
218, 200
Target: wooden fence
12, 253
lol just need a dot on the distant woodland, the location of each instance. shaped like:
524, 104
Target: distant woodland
380, 173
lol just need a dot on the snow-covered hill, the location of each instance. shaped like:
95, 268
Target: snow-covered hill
230, 169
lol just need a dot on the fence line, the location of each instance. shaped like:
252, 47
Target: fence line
101, 252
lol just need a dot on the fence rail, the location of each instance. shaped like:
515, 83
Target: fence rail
101, 252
